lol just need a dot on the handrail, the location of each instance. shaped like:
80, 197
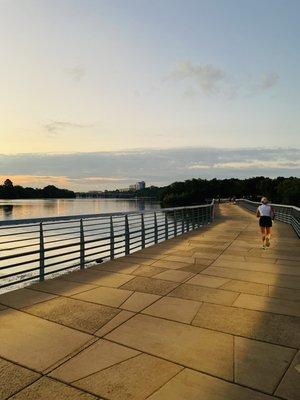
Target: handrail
285, 213
94, 216
74, 241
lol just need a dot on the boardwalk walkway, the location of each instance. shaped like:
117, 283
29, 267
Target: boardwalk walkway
206, 316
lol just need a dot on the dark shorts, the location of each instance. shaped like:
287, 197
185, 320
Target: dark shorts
265, 222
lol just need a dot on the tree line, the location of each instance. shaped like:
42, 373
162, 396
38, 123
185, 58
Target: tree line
9, 191
196, 191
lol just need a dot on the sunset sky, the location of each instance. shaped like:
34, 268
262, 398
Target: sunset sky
99, 94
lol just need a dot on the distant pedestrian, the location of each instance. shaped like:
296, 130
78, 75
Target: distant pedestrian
266, 214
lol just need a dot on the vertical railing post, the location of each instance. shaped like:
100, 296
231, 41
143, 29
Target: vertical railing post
182, 221
188, 220
127, 236
198, 217
193, 219
166, 227
42, 254
175, 223
155, 229
112, 239
142, 231
82, 250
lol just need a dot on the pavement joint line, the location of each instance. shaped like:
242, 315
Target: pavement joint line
78, 388
285, 372
70, 356
283, 287
110, 366
233, 358
25, 387
194, 369
200, 306
161, 386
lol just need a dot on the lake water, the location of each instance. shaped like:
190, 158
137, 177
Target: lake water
34, 208
20, 244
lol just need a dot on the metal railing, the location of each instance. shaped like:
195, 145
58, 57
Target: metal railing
284, 213
33, 249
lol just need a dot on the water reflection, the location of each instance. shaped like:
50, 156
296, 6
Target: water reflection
32, 208
7, 210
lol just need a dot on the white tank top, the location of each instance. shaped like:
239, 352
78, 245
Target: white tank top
265, 210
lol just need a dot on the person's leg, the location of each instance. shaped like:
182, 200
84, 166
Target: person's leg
263, 235
268, 236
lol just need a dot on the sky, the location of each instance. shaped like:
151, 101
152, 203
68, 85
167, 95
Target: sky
100, 94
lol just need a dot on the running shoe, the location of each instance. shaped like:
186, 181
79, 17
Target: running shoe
264, 247
267, 242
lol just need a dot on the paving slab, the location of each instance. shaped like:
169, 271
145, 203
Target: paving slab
135, 379
292, 282
284, 293
260, 289
193, 385
147, 271
76, 314
49, 389
289, 387
105, 295
258, 266
139, 301
98, 356
273, 328
184, 258
61, 287
174, 309
150, 285
260, 365
24, 297
206, 294
22, 338
174, 275
123, 316
208, 281
201, 349
203, 261
194, 268
14, 378
270, 304
138, 260
117, 266
170, 264
98, 278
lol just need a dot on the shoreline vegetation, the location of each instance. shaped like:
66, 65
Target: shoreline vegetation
9, 191
190, 192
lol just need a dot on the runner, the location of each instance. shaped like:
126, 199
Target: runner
266, 214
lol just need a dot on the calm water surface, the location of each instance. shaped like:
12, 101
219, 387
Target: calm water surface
32, 208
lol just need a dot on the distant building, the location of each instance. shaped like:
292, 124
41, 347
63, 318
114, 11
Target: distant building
140, 185
136, 186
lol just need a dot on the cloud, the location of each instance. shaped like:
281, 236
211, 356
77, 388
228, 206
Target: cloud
104, 170
268, 80
207, 78
76, 73
55, 127
251, 164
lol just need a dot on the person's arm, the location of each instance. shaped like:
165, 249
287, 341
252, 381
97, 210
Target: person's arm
257, 213
272, 213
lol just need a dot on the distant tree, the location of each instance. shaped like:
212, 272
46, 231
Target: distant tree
8, 183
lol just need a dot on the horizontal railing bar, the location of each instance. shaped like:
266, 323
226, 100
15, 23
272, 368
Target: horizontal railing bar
94, 216
18, 273
19, 264
19, 281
